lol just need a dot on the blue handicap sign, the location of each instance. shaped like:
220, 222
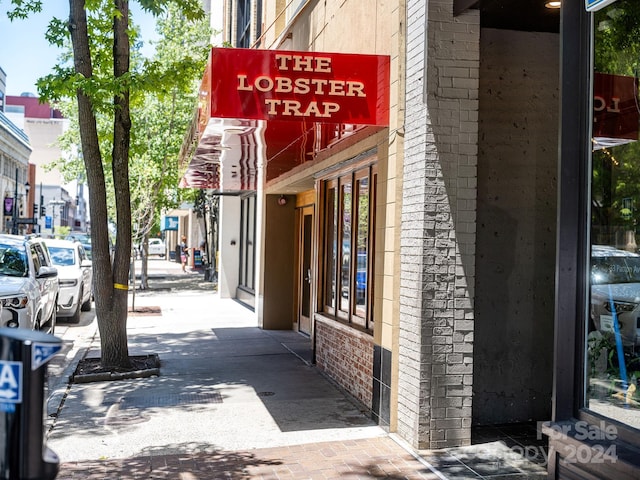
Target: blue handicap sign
41, 353
10, 381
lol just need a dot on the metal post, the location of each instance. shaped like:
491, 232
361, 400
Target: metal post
14, 216
40, 208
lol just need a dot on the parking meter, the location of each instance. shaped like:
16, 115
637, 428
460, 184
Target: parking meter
23, 358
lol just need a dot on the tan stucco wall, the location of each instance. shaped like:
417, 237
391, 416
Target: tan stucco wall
277, 313
329, 27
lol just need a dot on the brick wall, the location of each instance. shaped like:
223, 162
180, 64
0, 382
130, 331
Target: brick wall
346, 355
437, 250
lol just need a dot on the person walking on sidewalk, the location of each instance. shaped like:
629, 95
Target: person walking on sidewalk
184, 253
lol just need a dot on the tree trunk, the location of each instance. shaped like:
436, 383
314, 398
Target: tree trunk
116, 352
144, 263
110, 287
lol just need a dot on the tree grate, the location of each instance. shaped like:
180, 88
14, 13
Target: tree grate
170, 400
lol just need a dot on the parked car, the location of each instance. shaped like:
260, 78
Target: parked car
75, 274
615, 286
157, 247
84, 239
28, 284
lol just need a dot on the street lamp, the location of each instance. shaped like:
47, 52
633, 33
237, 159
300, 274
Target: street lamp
14, 226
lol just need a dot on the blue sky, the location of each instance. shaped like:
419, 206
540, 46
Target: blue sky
26, 56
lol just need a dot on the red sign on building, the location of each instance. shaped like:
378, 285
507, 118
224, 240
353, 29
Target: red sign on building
298, 86
275, 109
615, 109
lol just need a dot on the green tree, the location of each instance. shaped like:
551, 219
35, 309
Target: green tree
162, 119
98, 75
616, 171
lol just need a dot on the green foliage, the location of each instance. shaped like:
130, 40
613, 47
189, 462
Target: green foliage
162, 91
62, 232
23, 8
616, 171
617, 30
163, 116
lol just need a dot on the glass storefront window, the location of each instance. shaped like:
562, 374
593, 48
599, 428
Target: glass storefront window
613, 340
362, 246
247, 243
348, 246
345, 263
331, 247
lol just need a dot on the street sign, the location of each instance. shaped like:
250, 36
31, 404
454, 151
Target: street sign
594, 5
42, 353
27, 221
10, 381
169, 223
47, 221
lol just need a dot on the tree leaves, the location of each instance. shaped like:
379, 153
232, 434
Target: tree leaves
129, 114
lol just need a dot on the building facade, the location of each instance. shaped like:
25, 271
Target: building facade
450, 266
44, 126
16, 175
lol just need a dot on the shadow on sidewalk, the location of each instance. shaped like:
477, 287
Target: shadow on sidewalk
376, 458
207, 463
176, 282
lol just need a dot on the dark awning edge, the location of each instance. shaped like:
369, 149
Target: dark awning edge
460, 6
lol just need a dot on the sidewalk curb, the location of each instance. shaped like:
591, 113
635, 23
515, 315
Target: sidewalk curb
60, 389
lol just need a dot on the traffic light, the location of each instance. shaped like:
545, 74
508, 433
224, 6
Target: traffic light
43, 210
35, 210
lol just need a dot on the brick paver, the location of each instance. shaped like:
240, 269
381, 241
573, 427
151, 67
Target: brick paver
370, 458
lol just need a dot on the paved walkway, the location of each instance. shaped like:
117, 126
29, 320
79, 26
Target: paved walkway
232, 402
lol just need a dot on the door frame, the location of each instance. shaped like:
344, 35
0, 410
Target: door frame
306, 270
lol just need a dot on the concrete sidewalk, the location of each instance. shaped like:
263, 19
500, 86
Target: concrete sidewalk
232, 402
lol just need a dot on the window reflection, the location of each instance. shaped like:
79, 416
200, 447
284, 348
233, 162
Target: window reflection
247, 241
348, 246
331, 247
613, 341
362, 246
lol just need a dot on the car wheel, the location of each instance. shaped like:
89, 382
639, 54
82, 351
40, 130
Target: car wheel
86, 306
53, 319
75, 318
49, 326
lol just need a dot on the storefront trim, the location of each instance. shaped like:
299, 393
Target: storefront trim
582, 443
572, 244
580, 449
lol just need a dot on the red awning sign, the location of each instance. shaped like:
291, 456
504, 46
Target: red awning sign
298, 86
263, 109
615, 110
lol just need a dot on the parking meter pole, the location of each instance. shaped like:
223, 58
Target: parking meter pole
23, 358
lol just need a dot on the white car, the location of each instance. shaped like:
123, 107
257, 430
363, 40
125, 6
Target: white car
157, 247
75, 274
28, 284
615, 293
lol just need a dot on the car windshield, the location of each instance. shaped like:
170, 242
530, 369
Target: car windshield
12, 261
62, 256
615, 269
80, 238
85, 241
